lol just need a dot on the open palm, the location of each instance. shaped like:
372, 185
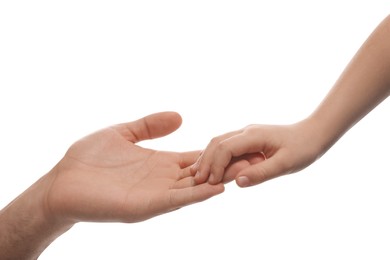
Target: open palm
106, 177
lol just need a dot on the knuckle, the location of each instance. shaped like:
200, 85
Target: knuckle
215, 140
222, 147
250, 126
252, 130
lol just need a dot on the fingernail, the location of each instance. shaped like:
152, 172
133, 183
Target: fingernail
211, 178
197, 175
243, 181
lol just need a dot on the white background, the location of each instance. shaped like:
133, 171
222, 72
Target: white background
68, 68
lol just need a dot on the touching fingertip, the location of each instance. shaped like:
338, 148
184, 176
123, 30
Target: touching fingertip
222, 189
198, 178
194, 169
243, 181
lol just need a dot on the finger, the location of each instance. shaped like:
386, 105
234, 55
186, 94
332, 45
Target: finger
234, 146
208, 155
188, 158
151, 126
233, 169
237, 164
195, 167
190, 195
184, 183
272, 167
184, 173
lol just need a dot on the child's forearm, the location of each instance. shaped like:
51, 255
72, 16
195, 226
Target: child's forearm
363, 85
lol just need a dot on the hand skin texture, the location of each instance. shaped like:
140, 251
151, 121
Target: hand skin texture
289, 148
103, 177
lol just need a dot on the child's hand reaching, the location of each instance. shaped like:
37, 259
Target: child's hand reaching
363, 85
240, 154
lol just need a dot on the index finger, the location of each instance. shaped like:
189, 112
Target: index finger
207, 156
234, 146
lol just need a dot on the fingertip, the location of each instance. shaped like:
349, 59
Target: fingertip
173, 119
221, 188
214, 178
218, 189
150, 127
206, 191
202, 175
199, 179
211, 179
194, 170
174, 115
243, 181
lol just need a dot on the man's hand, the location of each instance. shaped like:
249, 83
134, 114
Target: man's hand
106, 177
103, 177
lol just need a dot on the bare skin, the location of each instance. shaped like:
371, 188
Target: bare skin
103, 177
363, 85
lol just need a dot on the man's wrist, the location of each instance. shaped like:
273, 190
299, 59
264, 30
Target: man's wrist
27, 226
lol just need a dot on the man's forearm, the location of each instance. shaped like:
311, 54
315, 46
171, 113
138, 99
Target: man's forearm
25, 227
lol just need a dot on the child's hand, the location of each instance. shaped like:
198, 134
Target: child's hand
238, 155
